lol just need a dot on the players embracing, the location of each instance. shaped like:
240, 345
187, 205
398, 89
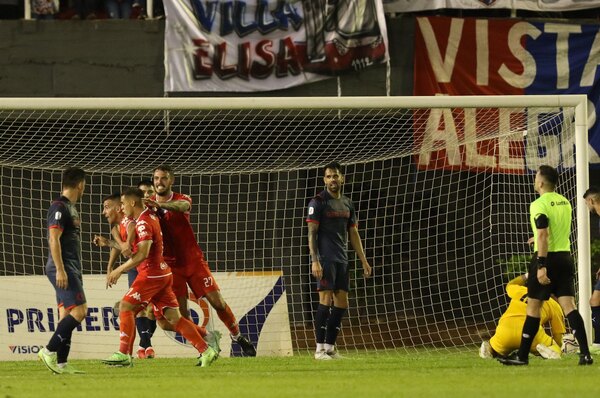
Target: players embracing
153, 284
185, 257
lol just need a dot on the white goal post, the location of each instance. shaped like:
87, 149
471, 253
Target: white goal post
441, 186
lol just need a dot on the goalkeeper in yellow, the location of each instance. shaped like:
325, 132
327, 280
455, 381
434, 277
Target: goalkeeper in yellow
510, 326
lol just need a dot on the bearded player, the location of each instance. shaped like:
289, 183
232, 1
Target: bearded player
153, 284
184, 255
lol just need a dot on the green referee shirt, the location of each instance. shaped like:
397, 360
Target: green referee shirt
558, 211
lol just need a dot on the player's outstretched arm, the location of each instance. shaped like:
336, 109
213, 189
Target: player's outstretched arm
358, 248
102, 241
175, 205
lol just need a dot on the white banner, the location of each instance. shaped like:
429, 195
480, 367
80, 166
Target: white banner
28, 317
531, 5
260, 45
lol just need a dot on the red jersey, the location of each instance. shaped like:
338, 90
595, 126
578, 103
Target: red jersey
180, 245
125, 221
147, 227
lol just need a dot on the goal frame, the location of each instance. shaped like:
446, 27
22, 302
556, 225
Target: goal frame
578, 102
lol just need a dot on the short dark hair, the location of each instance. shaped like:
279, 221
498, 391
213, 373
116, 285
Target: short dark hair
333, 166
116, 196
145, 182
135, 192
593, 190
165, 168
549, 174
72, 176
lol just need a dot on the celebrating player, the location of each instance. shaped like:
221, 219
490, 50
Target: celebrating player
153, 284
508, 332
184, 256
552, 270
331, 220
123, 232
63, 269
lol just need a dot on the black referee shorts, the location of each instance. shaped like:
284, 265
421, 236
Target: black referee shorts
560, 268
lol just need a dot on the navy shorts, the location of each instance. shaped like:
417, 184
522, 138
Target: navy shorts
131, 275
335, 277
560, 268
73, 295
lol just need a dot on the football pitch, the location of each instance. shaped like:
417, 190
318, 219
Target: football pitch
442, 373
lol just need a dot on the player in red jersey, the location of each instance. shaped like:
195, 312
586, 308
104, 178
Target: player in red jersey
153, 284
185, 256
123, 234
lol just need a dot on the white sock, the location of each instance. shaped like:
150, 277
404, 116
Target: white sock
320, 347
329, 347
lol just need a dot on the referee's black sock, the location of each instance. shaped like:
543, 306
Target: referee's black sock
576, 323
334, 324
530, 329
321, 322
596, 324
63, 333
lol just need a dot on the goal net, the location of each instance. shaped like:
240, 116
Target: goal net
441, 185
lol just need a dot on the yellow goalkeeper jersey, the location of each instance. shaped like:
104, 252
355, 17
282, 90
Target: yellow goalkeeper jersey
551, 311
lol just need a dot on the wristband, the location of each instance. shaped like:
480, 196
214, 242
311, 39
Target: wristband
541, 262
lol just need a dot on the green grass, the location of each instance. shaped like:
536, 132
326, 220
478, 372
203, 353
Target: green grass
442, 374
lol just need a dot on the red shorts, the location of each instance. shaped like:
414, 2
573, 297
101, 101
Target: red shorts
156, 290
196, 275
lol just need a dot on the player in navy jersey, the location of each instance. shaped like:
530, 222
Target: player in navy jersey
331, 222
589, 197
63, 269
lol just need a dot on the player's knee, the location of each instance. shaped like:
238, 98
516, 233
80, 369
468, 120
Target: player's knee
172, 315
595, 299
79, 312
326, 297
219, 305
126, 306
165, 325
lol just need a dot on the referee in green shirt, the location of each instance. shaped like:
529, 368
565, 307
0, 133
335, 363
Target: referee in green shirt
550, 217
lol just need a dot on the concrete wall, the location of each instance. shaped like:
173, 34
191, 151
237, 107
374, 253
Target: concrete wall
106, 58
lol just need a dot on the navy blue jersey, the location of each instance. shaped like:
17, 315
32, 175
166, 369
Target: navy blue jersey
62, 214
334, 217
